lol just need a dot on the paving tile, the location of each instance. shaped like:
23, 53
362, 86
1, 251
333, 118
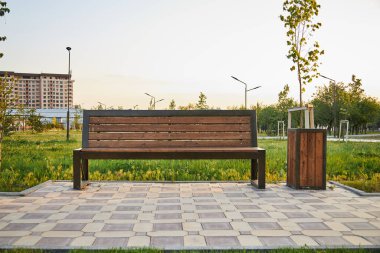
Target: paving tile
10, 207
302, 240
247, 207
324, 207
264, 225
93, 227
54, 242
191, 226
111, 242
375, 213
240, 200
139, 241
267, 195
8, 240
313, 225
331, 241
136, 195
167, 201
49, 207
222, 241
167, 226
286, 207
216, 226
277, 241
255, 215
118, 227
298, 215
27, 241
359, 225
356, 240
89, 208
166, 216
207, 207
375, 240
341, 214
3, 215
68, 227
212, 215
235, 195
168, 195
133, 201
128, 208
168, 207
80, 216
19, 226
197, 195
249, 241
167, 241
83, 241
36, 216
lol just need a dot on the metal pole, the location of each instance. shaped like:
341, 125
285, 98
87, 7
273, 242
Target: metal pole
68, 101
334, 102
245, 93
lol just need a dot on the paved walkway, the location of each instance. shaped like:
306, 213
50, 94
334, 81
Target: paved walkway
187, 215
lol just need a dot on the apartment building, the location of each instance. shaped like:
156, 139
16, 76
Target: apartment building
41, 91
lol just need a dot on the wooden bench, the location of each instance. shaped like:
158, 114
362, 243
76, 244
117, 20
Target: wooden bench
169, 134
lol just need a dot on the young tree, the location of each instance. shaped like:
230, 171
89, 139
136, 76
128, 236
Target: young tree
303, 50
172, 105
7, 100
202, 103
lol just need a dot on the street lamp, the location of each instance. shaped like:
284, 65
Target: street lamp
245, 90
154, 100
68, 100
334, 100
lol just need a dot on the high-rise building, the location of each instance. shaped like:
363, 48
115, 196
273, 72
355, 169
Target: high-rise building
41, 91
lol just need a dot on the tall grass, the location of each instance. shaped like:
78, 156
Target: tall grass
29, 159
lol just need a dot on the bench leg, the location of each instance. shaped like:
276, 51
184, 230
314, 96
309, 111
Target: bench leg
77, 170
261, 183
253, 169
85, 169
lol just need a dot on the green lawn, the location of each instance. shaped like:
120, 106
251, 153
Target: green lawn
29, 159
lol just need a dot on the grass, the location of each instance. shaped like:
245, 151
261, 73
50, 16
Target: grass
29, 159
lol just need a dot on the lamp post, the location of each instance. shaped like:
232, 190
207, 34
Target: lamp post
334, 100
245, 90
154, 100
68, 100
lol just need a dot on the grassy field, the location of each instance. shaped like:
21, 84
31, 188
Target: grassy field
29, 159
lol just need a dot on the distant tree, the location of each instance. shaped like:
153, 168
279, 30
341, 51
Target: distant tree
190, 106
34, 121
3, 10
269, 116
284, 102
172, 105
304, 52
202, 102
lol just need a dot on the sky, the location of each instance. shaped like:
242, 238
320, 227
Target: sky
175, 49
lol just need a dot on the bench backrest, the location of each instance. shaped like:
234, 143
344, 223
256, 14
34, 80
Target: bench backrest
169, 128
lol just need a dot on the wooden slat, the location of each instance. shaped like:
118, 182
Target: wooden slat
310, 171
174, 119
171, 136
150, 144
303, 159
291, 158
319, 160
168, 128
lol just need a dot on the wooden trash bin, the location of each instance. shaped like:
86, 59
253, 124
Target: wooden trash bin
306, 158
